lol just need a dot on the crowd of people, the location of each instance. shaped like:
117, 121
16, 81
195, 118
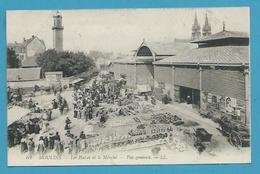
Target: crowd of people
86, 106
87, 99
45, 144
71, 143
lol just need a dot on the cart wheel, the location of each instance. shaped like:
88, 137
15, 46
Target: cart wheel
235, 140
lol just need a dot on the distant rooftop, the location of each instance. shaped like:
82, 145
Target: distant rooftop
17, 46
168, 48
222, 35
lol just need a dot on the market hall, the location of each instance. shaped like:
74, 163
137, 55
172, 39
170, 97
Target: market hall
211, 72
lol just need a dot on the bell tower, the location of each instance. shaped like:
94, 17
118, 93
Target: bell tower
57, 32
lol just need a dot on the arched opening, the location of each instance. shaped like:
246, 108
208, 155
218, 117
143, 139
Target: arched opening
144, 51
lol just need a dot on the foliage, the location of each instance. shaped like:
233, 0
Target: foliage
12, 59
69, 62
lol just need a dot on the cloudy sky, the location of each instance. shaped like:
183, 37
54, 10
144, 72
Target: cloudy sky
120, 30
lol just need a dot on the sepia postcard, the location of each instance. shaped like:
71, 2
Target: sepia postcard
128, 86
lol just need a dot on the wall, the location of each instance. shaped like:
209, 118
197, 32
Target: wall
224, 82
128, 70
145, 74
35, 47
187, 77
163, 76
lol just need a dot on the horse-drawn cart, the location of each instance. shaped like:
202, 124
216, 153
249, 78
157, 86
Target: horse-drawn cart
202, 139
237, 134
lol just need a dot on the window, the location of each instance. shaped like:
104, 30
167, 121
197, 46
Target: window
144, 51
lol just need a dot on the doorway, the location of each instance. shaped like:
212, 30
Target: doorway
190, 95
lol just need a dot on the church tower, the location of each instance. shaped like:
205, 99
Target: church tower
57, 32
206, 31
196, 33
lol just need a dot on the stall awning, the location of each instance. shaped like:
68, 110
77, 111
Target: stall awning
76, 81
15, 113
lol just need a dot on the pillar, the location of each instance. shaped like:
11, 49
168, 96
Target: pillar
247, 97
200, 71
135, 76
172, 84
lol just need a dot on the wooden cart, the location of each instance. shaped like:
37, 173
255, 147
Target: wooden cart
236, 133
202, 139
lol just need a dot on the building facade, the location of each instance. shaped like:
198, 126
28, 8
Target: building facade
211, 72
139, 68
213, 76
28, 50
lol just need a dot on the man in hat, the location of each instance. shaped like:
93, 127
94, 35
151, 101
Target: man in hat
46, 142
30, 104
61, 107
54, 104
49, 114
37, 128
153, 101
51, 142
67, 123
57, 136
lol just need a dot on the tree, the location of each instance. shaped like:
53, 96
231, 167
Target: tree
69, 62
12, 59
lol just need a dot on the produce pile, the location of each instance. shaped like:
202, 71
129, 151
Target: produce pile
132, 108
166, 118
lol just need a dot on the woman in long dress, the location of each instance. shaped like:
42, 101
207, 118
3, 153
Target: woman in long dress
41, 147
31, 146
24, 147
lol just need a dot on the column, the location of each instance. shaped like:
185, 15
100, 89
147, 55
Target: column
200, 71
247, 97
172, 84
135, 76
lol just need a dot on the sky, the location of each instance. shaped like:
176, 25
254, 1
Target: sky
120, 30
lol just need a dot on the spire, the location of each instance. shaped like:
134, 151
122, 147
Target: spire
224, 26
206, 28
196, 32
206, 20
196, 25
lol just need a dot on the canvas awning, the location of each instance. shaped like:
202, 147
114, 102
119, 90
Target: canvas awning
76, 81
15, 113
